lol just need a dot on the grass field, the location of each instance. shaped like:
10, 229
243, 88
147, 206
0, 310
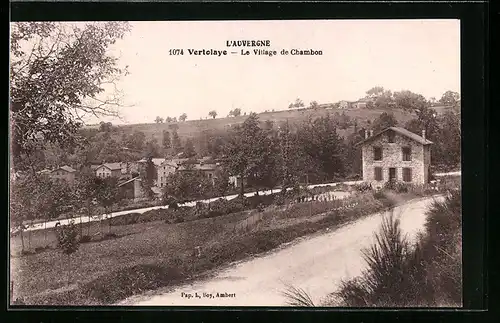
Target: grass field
151, 255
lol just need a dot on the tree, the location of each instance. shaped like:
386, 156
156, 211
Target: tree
384, 120
58, 74
86, 192
152, 148
136, 141
248, 153
297, 104
236, 112
107, 195
148, 177
176, 142
189, 149
159, 120
450, 98
213, 114
183, 117
375, 91
167, 142
67, 238
324, 146
105, 127
409, 101
293, 162
168, 119
53, 198
183, 186
313, 105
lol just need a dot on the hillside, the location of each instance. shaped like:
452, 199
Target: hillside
192, 128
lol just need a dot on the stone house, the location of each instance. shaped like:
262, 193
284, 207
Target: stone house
395, 154
63, 173
109, 170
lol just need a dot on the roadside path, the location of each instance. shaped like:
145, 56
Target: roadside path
316, 264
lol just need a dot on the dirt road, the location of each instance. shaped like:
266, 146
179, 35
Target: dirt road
316, 264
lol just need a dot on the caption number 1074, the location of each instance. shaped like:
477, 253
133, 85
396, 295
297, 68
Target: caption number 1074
176, 52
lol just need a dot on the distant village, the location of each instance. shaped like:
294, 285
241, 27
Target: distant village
127, 173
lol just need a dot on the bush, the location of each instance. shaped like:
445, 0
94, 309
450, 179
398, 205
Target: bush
363, 187
426, 273
85, 239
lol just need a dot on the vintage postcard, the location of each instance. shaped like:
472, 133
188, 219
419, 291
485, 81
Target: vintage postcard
236, 163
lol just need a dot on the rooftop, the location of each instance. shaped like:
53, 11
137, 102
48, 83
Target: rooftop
401, 131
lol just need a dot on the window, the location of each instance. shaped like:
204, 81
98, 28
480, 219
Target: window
377, 153
406, 153
390, 136
378, 173
407, 174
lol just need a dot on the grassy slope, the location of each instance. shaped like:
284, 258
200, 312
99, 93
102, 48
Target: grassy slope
155, 254
193, 128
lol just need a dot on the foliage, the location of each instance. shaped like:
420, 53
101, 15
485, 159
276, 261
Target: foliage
67, 236
324, 147
384, 120
298, 297
236, 112
159, 119
297, 104
176, 142
189, 150
213, 114
183, 117
58, 73
450, 98
424, 273
167, 142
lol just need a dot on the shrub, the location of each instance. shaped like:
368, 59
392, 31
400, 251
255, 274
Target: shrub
363, 187
85, 239
425, 273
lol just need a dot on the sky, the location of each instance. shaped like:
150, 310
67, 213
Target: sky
418, 55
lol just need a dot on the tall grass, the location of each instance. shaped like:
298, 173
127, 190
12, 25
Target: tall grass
297, 297
424, 273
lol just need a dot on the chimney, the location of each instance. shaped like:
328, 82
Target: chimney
423, 134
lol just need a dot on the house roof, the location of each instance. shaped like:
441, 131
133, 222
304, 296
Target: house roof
66, 168
130, 180
111, 166
401, 131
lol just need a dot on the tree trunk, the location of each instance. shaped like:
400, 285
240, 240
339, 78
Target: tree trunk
29, 236
45, 232
242, 187
22, 239
89, 214
69, 269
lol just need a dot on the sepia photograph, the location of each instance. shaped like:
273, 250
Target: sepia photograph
256, 163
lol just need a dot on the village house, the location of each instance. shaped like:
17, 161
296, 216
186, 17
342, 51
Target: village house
395, 154
109, 170
165, 169
63, 173
209, 170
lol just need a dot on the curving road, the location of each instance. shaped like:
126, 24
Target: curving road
316, 264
